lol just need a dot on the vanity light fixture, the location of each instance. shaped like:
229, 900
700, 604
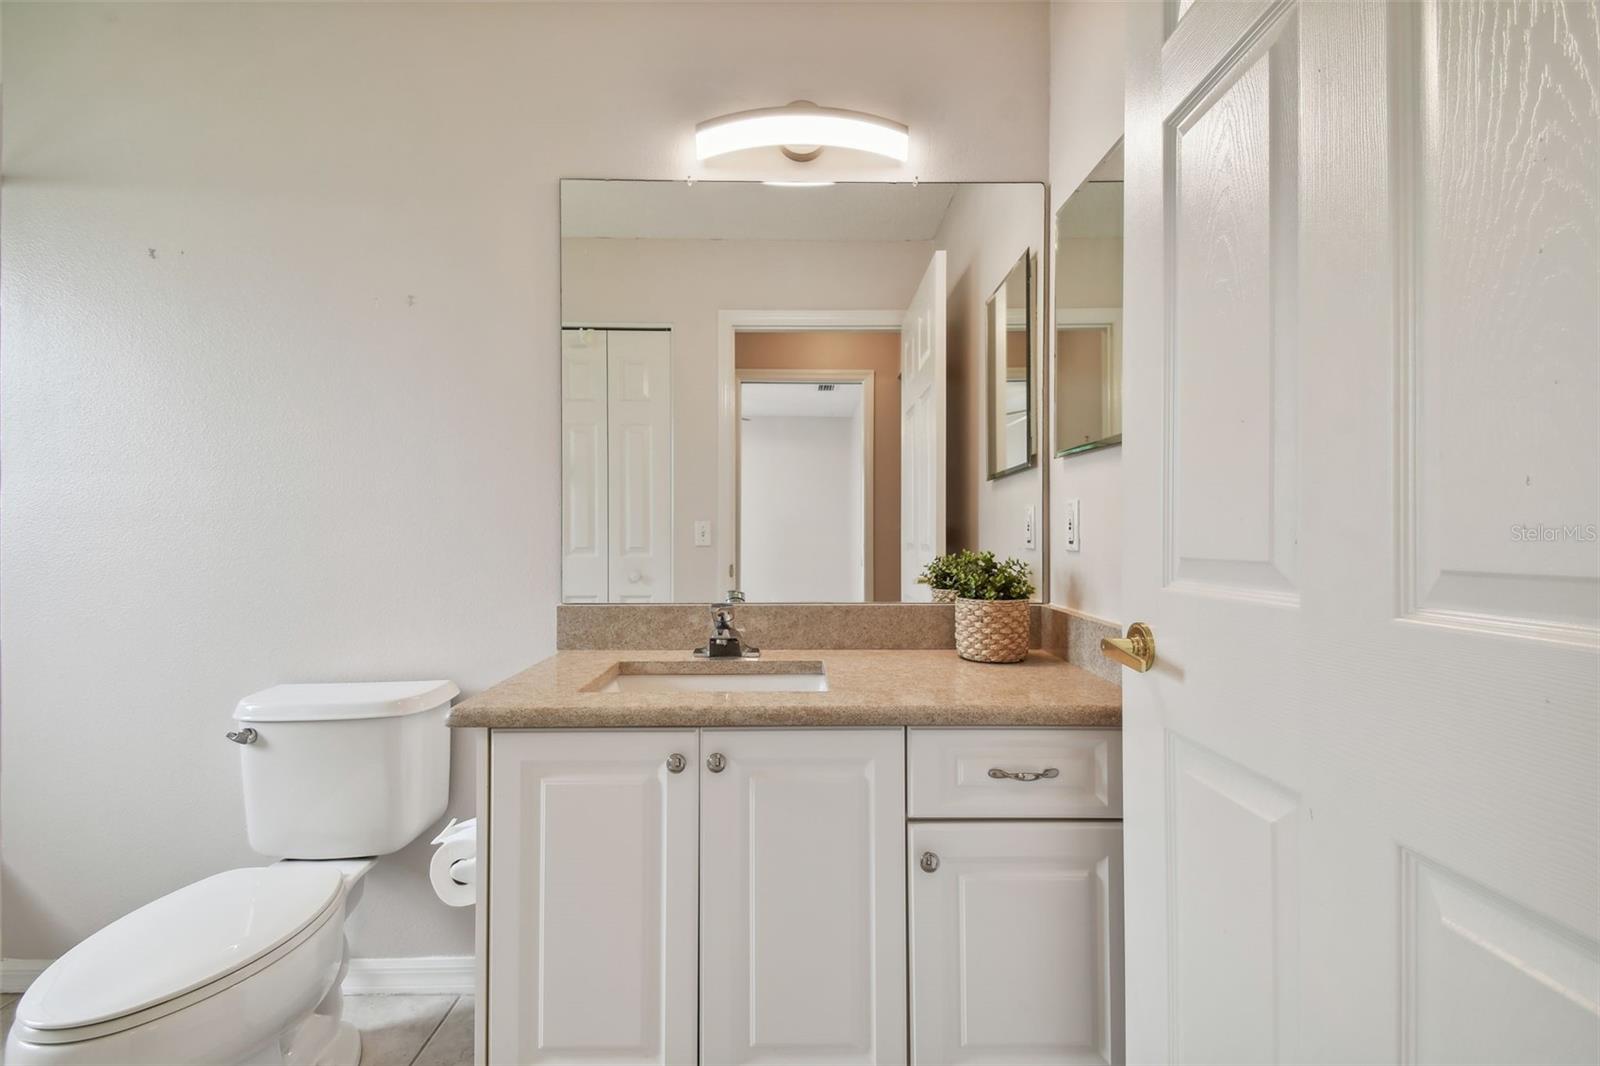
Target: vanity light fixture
802, 130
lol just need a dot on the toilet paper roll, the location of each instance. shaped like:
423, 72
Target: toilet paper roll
458, 849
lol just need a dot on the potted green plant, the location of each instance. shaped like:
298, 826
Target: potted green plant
992, 608
941, 573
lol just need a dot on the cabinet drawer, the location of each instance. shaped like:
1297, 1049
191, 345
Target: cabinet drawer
987, 773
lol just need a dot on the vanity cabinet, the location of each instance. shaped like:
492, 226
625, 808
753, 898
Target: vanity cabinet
731, 896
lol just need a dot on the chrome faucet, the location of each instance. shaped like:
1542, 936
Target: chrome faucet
726, 642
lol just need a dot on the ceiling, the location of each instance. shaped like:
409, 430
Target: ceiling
740, 210
797, 399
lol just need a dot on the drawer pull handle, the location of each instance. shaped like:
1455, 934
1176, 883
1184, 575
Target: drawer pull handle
1024, 775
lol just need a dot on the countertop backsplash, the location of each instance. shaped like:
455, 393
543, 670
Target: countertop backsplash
859, 626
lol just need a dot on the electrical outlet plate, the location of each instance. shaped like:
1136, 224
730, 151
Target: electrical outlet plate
1070, 520
1030, 539
702, 534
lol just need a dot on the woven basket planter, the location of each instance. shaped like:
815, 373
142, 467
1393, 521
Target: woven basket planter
992, 631
944, 595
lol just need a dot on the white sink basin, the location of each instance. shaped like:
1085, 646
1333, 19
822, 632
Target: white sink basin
809, 681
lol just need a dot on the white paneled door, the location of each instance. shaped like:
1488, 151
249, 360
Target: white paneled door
640, 419
585, 557
803, 896
593, 881
616, 466
1361, 379
922, 430
1016, 933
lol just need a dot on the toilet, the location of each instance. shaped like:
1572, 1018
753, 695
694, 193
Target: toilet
244, 966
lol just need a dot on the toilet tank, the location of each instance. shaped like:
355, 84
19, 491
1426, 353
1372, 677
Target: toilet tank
342, 770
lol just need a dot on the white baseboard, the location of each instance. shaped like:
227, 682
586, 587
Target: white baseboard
17, 974
424, 975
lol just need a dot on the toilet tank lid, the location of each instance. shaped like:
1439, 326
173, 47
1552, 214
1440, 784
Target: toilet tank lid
344, 699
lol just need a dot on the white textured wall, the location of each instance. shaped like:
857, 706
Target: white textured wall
984, 233
685, 283
1086, 67
280, 335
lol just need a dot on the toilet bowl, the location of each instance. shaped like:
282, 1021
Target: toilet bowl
244, 967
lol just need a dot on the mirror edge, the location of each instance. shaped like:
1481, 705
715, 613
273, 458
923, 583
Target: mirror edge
1050, 351
1035, 353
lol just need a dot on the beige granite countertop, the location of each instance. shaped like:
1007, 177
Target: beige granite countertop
864, 688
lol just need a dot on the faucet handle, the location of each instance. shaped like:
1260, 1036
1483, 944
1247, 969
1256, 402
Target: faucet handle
735, 596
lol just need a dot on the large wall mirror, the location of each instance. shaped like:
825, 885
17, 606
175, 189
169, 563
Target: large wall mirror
1088, 312
1010, 406
781, 389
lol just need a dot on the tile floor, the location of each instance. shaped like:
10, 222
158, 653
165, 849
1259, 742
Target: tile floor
395, 1030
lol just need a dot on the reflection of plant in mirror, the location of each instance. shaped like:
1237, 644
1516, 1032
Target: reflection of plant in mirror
980, 576
945, 570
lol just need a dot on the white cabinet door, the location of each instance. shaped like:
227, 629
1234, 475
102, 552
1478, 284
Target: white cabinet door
592, 889
640, 422
1016, 942
585, 558
922, 430
802, 892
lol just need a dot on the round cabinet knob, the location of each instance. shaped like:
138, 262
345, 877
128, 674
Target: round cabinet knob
635, 577
716, 762
676, 763
929, 863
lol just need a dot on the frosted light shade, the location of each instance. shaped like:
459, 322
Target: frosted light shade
802, 124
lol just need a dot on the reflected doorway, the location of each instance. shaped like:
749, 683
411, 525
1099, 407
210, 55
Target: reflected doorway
805, 489
816, 514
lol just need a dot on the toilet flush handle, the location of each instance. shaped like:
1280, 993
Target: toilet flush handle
243, 736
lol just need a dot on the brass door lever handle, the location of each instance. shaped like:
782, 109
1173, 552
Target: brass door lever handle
1136, 651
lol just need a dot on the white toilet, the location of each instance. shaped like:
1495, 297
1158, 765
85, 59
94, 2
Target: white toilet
244, 966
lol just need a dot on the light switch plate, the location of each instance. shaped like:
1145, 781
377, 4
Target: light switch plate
1070, 521
702, 534
1030, 539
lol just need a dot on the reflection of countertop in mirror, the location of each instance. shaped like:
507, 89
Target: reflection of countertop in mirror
911, 688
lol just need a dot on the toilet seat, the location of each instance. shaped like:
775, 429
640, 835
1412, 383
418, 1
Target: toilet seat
180, 949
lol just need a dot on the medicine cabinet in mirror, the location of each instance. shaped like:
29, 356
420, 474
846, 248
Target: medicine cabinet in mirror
1010, 359
1087, 309
781, 389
